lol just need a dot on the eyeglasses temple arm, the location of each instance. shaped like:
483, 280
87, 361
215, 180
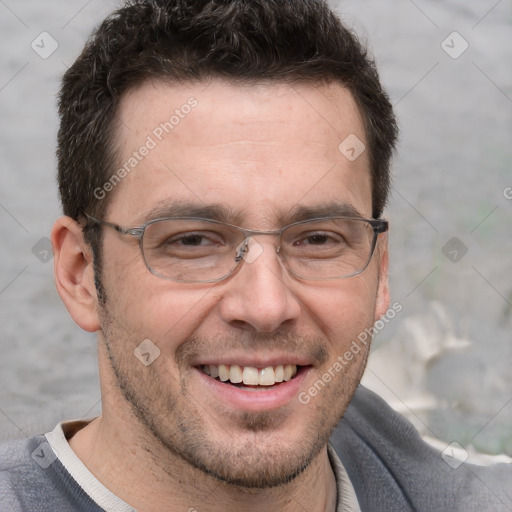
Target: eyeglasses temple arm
124, 231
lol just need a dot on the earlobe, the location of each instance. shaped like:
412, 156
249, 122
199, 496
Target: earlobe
74, 274
383, 295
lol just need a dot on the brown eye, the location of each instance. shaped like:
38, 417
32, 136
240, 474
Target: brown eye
318, 239
192, 240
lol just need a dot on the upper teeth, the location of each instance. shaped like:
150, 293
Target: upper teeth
250, 375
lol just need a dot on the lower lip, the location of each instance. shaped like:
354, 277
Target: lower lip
255, 399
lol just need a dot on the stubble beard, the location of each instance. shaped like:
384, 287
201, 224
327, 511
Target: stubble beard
173, 420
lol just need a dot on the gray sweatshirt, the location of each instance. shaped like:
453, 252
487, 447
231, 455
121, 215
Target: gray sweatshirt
390, 467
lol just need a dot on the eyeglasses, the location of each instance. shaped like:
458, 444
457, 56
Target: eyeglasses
196, 250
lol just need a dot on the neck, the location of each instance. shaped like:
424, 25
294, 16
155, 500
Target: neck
151, 478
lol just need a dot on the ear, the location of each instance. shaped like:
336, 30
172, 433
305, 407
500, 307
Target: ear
383, 296
74, 273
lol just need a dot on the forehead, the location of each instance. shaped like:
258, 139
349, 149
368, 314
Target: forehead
259, 150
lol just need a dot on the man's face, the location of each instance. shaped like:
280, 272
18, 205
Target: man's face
258, 152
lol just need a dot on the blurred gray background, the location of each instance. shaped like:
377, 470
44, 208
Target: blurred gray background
444, 360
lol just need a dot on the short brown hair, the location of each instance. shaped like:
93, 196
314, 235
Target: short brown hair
289, 41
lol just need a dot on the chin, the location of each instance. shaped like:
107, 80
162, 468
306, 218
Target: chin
251, 459
256, 468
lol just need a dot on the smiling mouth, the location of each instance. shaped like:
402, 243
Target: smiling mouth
249, 376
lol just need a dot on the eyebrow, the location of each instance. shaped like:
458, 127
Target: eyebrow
332, 209
222, 213
173, 208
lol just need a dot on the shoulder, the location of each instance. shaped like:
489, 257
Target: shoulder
21, 478
32, 479
391, 467
18, 460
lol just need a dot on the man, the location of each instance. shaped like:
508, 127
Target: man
223, 169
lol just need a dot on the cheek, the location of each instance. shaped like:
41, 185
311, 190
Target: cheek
343, 311
146, 306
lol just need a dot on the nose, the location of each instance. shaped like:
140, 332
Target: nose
258, 296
